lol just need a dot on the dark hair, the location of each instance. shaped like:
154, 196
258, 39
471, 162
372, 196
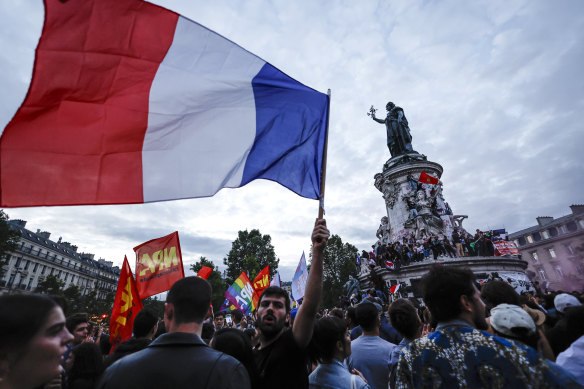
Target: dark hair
207, 331
144, 322
75, 319
21, 317
234, 342
497, 292
236, 315
220, 313
190, 297
104, 344
338, 312
250, 333
367, 316
404, 318
327, 331
87, 363
276, 291
351, 315
442, 288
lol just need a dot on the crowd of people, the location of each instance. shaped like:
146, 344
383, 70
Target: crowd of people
410, 249
460, 334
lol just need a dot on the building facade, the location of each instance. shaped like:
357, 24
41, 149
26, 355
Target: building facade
554, 250
36, 257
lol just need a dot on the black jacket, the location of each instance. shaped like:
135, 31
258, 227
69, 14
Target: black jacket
176, 360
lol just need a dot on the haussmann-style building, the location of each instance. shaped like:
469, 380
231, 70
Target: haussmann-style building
37, 256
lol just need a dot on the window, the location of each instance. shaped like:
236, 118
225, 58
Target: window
52, 270
559, 271
552, 252
36, 265
66, 276
545, 234
29, 283
553, 231
571, 226
570, 249
536, 236
26, 264
535, 257
529, 239
43, 270
563, 229
18, 260
11, 280
581, 222
542, 274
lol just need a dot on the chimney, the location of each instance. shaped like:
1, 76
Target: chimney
577, 208
44, 234
544, 220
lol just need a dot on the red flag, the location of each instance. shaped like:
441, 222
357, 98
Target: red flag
427, 179
158, 265
262, 281
204, 272
395, 288
126, 306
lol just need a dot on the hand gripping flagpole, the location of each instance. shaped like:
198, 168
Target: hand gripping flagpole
324, 154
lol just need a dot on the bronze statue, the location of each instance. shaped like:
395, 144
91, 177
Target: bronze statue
399, 139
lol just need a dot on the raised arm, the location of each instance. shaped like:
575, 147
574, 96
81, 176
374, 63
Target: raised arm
304, 323
377, 120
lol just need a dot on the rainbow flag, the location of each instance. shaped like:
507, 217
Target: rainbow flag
227, 306
242, 295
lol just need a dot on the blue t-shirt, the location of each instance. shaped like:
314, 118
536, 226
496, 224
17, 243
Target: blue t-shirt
371, 355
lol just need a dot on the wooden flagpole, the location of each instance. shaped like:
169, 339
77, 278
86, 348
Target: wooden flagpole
324, 155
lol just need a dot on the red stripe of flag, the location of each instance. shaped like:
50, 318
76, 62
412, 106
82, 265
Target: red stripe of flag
89, 93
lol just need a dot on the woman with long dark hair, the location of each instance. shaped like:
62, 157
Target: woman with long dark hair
33, 338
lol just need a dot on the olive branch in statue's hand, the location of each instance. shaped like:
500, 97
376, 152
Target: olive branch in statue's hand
371, 112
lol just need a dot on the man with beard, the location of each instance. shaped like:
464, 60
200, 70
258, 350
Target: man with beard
281, 357
458, 354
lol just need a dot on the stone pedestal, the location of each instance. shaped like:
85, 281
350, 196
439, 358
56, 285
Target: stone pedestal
413, 208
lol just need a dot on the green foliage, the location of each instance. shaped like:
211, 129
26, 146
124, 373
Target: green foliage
8, 240
250, 252
216, 281
74, 301
155, 305
51, 285
338, 264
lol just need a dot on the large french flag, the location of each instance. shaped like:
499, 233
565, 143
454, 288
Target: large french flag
132, 103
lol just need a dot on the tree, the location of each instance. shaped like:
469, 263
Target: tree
8, 241
338, 264
250, 252
155, 305
216, 281
51, 285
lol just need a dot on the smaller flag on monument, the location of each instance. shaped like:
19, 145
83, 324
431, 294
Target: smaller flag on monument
395, 288
427, 179
242, 295
299, 279
389, 265
127, 304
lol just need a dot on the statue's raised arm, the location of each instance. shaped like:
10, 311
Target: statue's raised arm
371, 113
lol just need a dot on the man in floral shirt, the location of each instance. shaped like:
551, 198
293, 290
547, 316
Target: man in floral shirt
459, 354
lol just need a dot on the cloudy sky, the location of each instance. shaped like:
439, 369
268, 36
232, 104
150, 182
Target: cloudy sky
493, 91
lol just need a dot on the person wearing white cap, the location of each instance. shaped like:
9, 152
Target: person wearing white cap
513, 322
563, 334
